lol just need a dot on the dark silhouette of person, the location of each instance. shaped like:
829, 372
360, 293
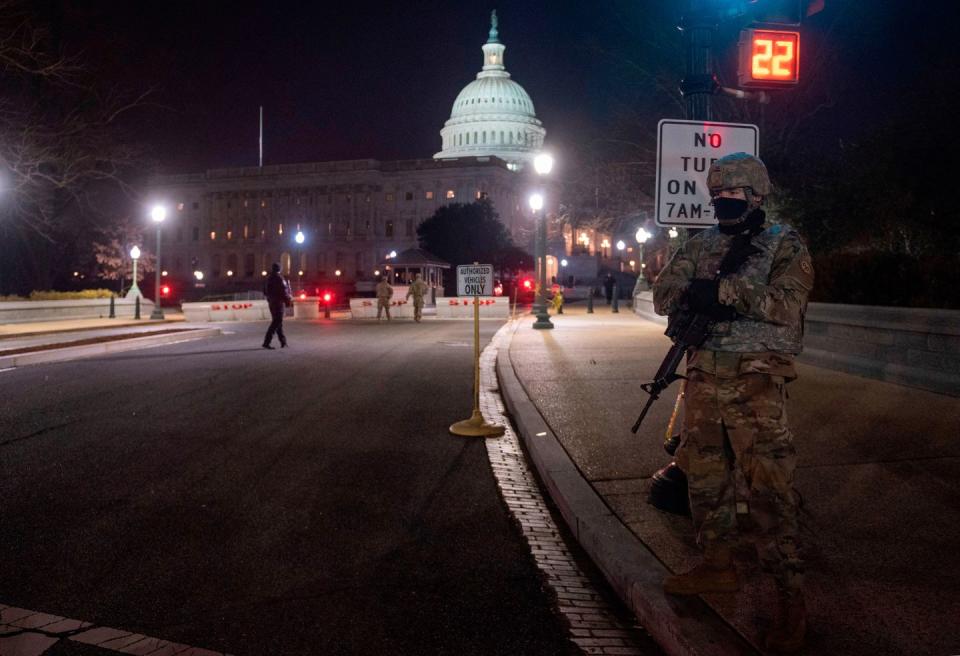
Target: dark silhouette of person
277, 290
608, 283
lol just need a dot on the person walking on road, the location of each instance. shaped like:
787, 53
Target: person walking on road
384, 295
608, 284
277, 290
737, 449
417, 289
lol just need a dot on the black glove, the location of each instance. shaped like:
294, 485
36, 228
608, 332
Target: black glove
703, 297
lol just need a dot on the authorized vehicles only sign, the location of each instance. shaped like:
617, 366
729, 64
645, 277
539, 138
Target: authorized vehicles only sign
685, 150
475, 280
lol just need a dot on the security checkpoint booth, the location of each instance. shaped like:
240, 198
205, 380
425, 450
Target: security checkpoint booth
401, 270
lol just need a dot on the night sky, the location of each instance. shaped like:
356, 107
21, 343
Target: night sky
361, 79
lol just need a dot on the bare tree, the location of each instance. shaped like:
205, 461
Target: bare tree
59, 133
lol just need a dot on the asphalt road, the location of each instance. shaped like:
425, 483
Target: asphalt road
299, 501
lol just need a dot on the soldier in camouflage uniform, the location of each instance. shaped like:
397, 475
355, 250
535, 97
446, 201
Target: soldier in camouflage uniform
737, 450
384, 295
417, 289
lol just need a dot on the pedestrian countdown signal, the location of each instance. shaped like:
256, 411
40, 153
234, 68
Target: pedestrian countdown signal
769, 58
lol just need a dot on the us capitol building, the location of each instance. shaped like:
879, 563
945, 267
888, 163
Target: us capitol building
231, 224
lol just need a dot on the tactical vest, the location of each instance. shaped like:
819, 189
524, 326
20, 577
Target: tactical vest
743, 334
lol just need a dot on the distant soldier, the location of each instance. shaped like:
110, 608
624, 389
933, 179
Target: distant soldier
277, 290
384, 295
417, 289
608, 284
737, 450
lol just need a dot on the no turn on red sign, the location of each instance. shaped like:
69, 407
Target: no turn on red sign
685, 150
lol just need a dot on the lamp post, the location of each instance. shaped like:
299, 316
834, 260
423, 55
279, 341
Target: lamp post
540, 301
299, 238
542, 164
642, 236
158, 214
134, 289
673, 234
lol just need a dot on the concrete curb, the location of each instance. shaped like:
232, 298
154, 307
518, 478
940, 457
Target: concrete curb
683, 626
104, 348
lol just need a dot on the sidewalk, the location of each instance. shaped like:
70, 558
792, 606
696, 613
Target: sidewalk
879, 471
23, 344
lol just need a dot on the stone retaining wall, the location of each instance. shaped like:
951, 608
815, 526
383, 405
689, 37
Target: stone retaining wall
916, 347
87, 308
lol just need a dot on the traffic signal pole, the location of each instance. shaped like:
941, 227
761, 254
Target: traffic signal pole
698, 83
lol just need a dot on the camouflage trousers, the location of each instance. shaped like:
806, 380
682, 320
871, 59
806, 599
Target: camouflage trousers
739, 458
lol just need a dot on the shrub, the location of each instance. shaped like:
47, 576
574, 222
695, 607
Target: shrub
49, 295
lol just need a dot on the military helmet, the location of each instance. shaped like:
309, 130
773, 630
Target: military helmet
739, 170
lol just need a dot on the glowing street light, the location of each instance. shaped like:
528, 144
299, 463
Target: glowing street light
621, 245
299, 238
198, 275
543, 163
642, 236
158, 214
134, 289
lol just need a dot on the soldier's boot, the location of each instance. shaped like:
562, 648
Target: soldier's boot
787, 635
715, 574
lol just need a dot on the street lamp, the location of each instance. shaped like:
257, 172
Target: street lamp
673, 233
299, 238
542, 164
642, 236
158, 214
540, 301
134, 289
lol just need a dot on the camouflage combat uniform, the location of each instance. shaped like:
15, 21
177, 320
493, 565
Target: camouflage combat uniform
737, 450
417, 289
384, 295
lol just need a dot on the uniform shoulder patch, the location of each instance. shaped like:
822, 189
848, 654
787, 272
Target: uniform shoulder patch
805, 265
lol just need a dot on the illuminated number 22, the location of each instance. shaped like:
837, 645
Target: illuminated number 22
766, 64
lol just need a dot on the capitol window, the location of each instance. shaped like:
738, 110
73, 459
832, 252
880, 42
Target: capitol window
213, 235
428, 195
451, 194
408, 195
389, 198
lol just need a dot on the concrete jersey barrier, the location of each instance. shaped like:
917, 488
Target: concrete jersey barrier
226, 311
461, 307
366, 308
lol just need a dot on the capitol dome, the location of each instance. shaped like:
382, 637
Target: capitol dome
493, 115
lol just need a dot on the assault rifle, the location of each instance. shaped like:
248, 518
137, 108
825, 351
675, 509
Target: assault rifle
689, 329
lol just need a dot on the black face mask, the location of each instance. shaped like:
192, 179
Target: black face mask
753, 222
729, 209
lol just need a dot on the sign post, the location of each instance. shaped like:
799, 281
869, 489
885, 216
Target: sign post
475, 280
685, 151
